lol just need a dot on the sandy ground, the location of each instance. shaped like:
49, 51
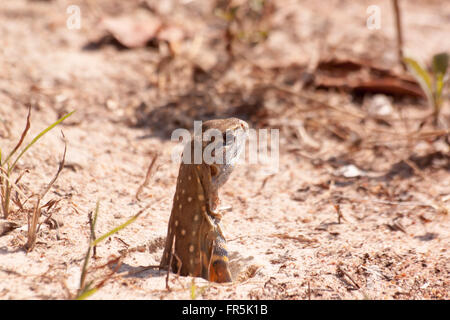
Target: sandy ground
283, 232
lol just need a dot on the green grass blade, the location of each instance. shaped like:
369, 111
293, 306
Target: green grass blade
440, 63
193, 289
86, 294
422, 76
84, 268
438, 90
85, 291
113, 231
419, 71
39, 136
440, 66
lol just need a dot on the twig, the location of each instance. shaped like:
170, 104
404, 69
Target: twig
418, 136
337, 207
147, 177
21, 175
33, 226
180, 263
24, 133
396, 226
300, 238
398, 26
49, 205
310, 99
263, 184
416, 169
118, 262
82, 287
172, 251
341, 272
396, 203
61, 166
92, 223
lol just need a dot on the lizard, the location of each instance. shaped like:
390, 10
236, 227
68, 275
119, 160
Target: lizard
194, 225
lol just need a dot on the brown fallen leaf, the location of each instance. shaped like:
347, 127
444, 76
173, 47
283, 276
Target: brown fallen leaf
132, 31
364, 76
389, 85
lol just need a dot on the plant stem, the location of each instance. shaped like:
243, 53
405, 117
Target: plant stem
6, 203
398, 25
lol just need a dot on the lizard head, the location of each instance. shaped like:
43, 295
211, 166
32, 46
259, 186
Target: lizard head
225, 139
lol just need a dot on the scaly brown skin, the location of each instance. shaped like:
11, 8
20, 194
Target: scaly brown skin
194, 221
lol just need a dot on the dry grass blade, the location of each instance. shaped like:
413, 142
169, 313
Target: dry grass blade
83, 288
4, 175
6, 130
398, 27
340, 272
33, 224
42, 133
307, 97
393, 203
50, 204
299, 238
24, 133
172, 252
5, 183
21, 175
413, 137
61, 166
264, 184
118, 262
17, 202
92, 222
147, 177
90, 291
